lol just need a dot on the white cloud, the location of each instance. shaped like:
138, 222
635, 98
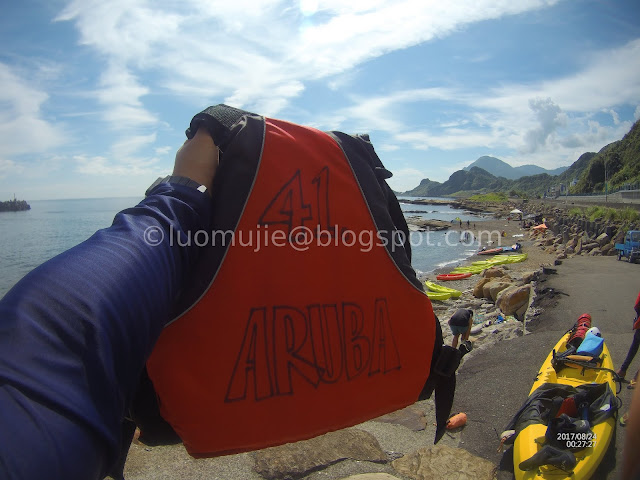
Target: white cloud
130, 145
387, 147
614, 116
8, 167
259, 54
547, 123
163, 150
98, 165
23, 126
120, 93
550, 117
406, 178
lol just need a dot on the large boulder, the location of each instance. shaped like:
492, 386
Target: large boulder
371, 476
442, 461
493, 272
528, 277
590, 246
293, 460
478, 289
511, 299
607, 248
492, 289
603, 239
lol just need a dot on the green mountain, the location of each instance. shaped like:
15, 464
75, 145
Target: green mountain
460, 183
620, 161
498, 168
424, 189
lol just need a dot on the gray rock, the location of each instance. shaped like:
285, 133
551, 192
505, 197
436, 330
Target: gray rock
495, 288
493, 272
528, 277
478, 289
590, 246
371, 476
511, 299
603, 239
411, 417
606, 248
430, 224
295, 459
444, 462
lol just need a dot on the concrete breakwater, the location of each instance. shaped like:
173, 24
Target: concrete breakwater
14, 206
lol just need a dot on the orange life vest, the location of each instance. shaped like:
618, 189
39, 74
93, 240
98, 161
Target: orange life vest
309, 318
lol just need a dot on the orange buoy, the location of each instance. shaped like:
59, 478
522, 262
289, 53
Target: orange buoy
456, 421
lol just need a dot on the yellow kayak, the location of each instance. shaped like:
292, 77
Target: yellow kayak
480, 265
438, 295
434, 287
589, 448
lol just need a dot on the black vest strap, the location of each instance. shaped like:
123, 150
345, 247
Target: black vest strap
218, 121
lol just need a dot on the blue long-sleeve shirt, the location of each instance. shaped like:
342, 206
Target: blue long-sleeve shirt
76, 331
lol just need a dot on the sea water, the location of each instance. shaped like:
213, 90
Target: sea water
32, 237
437, 249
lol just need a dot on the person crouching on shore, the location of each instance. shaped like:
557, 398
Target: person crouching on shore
460, 324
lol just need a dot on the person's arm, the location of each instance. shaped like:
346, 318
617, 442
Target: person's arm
76, 331
630, 458
637, 306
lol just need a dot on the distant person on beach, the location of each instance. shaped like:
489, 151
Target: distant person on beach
75, 333
635, 343
460, 323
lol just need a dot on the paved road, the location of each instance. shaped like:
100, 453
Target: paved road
492, 385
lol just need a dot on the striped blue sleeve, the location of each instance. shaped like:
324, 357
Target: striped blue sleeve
76, 331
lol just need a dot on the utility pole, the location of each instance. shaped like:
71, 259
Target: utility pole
605, 182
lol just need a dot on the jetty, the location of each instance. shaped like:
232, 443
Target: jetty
14, 205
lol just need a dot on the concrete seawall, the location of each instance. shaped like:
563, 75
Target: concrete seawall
621, 199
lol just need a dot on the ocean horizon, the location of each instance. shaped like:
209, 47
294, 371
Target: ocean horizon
30, 238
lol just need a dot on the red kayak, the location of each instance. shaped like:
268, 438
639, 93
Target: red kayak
453, 276
491, 251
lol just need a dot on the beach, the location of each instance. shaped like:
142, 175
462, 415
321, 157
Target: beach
485, 311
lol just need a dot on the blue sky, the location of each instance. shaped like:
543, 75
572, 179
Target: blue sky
95, 95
